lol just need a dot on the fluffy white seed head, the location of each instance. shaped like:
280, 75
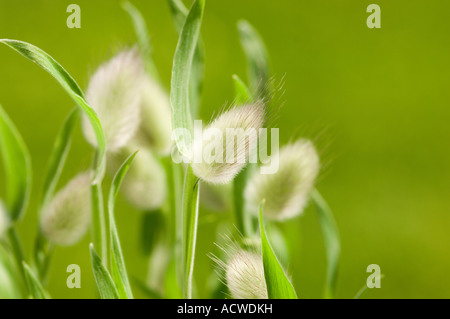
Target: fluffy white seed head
285, 192
66, 218
227, 143
145, 185
244, 274
155, 131
4, 220
114, 92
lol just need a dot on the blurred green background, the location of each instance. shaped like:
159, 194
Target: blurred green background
377, 100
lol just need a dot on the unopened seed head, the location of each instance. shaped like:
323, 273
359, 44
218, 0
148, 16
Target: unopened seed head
114, 92
145, 185
286, 192
244, 274
4, 220
227, 143
155, 130
66, 218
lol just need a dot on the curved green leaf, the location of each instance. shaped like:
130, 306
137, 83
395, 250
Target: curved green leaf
191, 195
241, 91
16, 161
179, 14
118, 268
105, 284
50, 65
257, 58
140, 28
58, 156
181, 74
35, 287
331, 240
278, 284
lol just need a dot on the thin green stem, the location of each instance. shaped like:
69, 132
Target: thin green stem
191, 194
99, 222
331, 240
42, 255
19, 257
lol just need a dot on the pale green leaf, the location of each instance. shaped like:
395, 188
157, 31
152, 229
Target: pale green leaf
181, 74
140, 28
331, 240
105, 284
257, 58
118, 268
241, 91
35, 287
179, 14
278, 284
9, 287
50, 65
58, 156
16, 161
98, 220
191, 195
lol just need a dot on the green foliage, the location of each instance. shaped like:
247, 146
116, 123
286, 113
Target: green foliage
36, 289
119, 271
278, 284
16, 161
105, 284
331, 241
257, 58
50, 65
181, 73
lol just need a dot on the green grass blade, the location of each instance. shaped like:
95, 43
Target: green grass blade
191, 193
331, 240
58, 157
241, 91
257, 58
243, 221
140, 28
179, 14
16, 161
50, 65
181, 73
98, 221
278, 284
36, 289
9, 285
105, 284
118, 268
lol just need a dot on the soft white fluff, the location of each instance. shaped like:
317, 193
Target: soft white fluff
244, 274
156, 118
286, 192
67, 217
114, 92
226, 165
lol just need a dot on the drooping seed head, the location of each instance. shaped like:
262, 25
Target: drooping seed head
114, 92
286, 192
155, 130
66, 218
145, 185
225, 146
4, 220
244, 274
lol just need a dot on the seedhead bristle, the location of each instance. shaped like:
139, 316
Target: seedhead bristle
286, 191
227, 143
114, 92
66, 218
